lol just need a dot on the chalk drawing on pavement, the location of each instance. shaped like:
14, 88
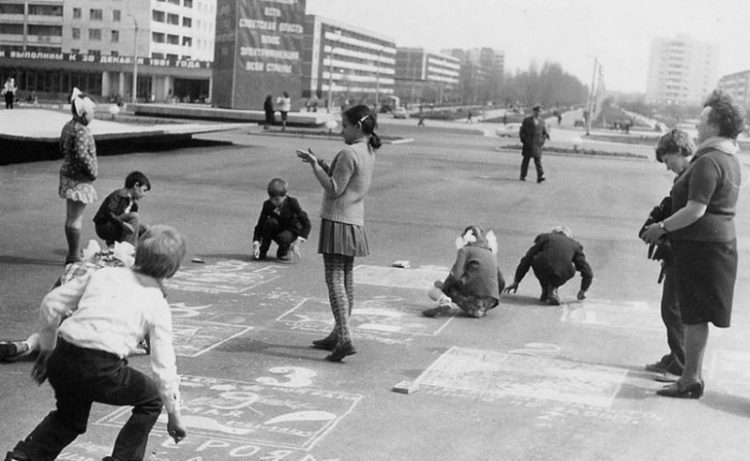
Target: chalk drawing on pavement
254, 412
395, 277
191, 338
229, 276
479, 373
597, 313
380, 316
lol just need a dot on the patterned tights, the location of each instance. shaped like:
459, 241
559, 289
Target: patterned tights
340, 281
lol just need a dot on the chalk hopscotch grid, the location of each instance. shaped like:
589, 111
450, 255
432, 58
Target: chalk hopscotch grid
436, 332
187, 280
201, 324
111, 420
459, 369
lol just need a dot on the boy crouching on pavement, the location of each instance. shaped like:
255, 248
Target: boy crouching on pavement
85, 356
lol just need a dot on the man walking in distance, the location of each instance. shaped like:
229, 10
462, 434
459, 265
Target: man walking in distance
533, 134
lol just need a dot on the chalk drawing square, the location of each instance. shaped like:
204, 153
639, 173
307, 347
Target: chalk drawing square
253, 412
229, 276
730, 371
395, 277
381, 315
191, 338
484, 373
631, 315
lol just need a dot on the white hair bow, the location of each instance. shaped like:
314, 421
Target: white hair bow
82, 104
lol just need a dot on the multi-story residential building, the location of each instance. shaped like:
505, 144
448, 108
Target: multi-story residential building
426, 76
738, 85
49, 46
681, 70
344, 62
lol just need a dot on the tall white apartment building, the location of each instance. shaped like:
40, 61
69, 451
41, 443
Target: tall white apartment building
681, 70
738, 85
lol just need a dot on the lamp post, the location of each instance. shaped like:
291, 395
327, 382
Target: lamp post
135, 61
330, 72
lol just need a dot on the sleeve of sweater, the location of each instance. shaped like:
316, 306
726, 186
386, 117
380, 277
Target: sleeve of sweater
163, 361
264, 212
342, 171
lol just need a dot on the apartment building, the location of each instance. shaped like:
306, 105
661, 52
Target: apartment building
681, 70
49, 46
423, 75
342, 62
738, 85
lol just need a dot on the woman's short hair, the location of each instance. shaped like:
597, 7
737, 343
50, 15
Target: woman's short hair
674, 142
276, 187
725, 114
159, 252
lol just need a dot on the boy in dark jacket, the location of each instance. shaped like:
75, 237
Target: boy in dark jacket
282, 220
117, 219
555, 257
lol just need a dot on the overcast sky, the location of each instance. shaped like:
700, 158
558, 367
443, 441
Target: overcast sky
570, 32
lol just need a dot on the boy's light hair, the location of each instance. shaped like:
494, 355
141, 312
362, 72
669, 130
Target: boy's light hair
276, 187
159, 252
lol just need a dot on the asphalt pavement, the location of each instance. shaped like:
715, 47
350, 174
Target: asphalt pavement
527, 382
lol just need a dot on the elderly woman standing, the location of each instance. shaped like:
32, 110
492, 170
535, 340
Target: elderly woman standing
702, 234
79, 169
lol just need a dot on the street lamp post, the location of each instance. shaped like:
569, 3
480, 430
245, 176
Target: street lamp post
330, 72
135, 61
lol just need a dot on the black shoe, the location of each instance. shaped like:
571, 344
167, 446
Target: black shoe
441, 309
328, 343
522, 179
545, 295
341, 351
656, 367
681, 391
284, 256
7, 349
553, 299
16, 456
541, 179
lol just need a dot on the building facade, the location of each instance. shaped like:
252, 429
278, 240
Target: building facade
738, 85
423, 75
49, 46
341, 63
681, 70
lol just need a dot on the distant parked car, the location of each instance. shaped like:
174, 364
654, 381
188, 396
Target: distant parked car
508, 130
400, 112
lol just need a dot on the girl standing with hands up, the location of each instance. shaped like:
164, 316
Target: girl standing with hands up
342, 234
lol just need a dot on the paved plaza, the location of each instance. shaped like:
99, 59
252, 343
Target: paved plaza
527, 382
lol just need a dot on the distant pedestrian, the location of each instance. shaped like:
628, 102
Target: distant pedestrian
285, 105
468, 117
533, 134
268, 109
342, 233
9, 91
79, 169
554, 257
474, 283
421, 116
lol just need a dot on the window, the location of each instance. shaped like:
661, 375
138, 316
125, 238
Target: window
173, 19
116, 15
95, 34
76, 13
187, 41
45, 10
54, 31
157, 15
12, 8
187, 22
172, 56
174, 2
186, 57
157, 37
114, 53
96, 53
115, 37
173, 39
11, 29
157, 55
187, 3
95, 14
76, 33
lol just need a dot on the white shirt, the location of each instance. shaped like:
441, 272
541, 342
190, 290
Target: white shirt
112, 310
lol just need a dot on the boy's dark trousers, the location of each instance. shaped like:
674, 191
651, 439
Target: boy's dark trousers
547, 279
110, 232
271, 230
80, 377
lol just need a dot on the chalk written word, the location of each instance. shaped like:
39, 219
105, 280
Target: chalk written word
485, 373
256, 413
191, 338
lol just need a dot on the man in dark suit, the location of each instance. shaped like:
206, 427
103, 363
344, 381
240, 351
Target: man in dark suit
555, 257
533, 134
